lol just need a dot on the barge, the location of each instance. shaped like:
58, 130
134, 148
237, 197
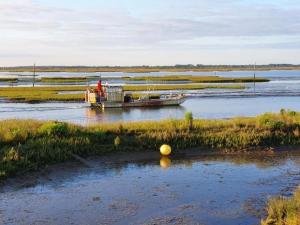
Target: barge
105, 96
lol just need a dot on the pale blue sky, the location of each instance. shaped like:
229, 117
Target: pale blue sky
143, 32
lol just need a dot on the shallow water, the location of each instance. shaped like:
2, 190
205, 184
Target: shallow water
202, 107
208, 190
283, 91
270, 74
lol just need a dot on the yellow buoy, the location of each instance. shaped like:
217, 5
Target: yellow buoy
165, 150
165, 162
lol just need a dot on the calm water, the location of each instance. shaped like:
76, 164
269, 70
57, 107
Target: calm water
208, 190
270, 74
206, 107
283, 91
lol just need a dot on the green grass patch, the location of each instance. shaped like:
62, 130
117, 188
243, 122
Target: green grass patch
71, 79
183, 78
41, 94
166, 87
8, 79
197, 79
283, 211
44, 94
28, 144
63, 79
178, 78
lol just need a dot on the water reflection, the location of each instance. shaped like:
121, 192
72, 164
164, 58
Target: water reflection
90, 113
213, 188
205, 108
133, 114
112, 165
165, 162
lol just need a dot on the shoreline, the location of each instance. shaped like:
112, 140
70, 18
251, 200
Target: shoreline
120, 158
27, 145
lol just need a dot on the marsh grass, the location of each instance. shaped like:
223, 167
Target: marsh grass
44, 94
29, 144
189, 119
166, 87
283, 211
4, 79
198, 79
63, 79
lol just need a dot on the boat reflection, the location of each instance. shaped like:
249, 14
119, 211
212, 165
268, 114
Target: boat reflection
94, 115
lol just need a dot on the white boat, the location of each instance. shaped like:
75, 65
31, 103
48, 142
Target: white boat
115, 97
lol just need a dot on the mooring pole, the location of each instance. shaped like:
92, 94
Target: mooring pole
254, 72
254, 75
33, 79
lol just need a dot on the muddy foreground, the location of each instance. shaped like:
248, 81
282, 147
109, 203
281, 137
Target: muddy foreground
146, 189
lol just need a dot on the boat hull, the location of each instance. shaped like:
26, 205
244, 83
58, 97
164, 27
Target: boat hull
141, 103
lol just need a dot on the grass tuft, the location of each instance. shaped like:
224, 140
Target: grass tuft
283, 211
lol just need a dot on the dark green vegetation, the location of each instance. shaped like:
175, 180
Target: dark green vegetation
284, 211
144, 69
166, 87
182, 78
72, 79
62, 79
197, 79
27, 144
8, 79
43, 94
189, 119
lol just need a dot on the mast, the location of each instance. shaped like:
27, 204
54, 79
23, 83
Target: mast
148, 87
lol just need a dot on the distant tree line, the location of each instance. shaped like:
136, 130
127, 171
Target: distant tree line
145, 67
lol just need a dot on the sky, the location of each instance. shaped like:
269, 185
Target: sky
143, 32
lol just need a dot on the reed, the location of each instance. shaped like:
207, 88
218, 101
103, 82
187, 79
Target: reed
29, 144
283, 211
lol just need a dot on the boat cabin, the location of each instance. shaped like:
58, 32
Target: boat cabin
106, 93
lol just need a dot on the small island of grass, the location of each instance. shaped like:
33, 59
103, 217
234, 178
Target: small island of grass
55, 93
198, 79
166, 78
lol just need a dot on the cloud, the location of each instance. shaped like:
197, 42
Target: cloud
36, 27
